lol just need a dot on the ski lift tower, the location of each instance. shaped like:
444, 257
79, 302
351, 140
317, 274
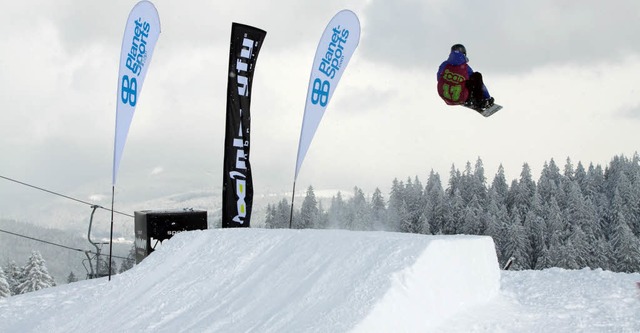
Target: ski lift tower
91, 273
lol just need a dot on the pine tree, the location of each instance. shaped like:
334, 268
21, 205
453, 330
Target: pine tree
581, 214
552, 234
36, 275
626, 247
593, 192
5, 289
496, 219
473, 183
480, 181
14, 276
549, 184
535, 243
499, 186
515, 242
283, 214
454, 181
435, 205
397, 200
378, 211
467, 184
337, 212
577, 248
359, 215
473, 223
580, 177
270, 219
403, 218
72, 278
309, 211
415, 202
128, 262
454, 215
522, 193
322, 221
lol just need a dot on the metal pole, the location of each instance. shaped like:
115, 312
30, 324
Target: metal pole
293, 196
94, 244
113, 187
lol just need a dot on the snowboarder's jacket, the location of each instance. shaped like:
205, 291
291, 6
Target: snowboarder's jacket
458, 59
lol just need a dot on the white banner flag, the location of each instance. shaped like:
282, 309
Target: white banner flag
338, 42
140, 37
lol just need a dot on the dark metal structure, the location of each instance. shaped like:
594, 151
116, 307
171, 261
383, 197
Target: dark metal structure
156, 226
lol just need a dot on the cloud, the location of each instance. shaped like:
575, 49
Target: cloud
156, 171
632, 112
560, 76
97, 197
501, 36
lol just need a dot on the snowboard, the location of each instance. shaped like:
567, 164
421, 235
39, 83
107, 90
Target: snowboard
488, 111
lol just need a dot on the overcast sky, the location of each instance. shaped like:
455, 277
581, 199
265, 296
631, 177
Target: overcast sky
566, 73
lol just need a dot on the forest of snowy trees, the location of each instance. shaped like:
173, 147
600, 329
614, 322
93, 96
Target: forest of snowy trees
34, 275
572, 218
15, 280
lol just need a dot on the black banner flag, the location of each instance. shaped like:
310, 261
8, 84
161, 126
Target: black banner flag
237, 186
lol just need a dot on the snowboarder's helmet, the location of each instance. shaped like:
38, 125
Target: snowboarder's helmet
460, 48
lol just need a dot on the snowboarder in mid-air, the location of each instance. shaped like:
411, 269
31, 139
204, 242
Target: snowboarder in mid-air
458, 84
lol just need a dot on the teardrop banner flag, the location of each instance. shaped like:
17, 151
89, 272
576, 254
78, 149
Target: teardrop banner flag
237, 182
140, 36
337, 44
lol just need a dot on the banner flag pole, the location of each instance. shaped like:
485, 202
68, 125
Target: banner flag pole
337, 44
141, 33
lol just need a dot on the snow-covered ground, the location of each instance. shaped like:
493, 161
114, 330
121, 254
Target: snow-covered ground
258, 280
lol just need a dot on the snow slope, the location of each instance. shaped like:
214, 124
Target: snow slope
258, 280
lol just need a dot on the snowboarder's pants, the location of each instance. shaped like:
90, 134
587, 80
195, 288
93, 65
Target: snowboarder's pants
475, 87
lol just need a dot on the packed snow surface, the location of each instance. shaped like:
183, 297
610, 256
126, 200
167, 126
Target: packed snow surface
258, 280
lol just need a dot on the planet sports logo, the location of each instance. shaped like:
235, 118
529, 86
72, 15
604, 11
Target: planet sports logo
330, 64
333, 57
136, 58
137, 55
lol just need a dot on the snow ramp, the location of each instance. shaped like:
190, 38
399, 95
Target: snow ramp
260, 280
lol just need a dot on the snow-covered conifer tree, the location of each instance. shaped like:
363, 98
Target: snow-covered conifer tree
435, 204
515, 242
14, 276
72, 278
5, 290
36, 275
309, 211
472, 218
499, 186
626, 247
129, 262
549, 183
415, 205
270, 219
395, 210
359, 214
337, 213
378, 211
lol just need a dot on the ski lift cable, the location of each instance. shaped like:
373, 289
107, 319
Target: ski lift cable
54, 244
62, 195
